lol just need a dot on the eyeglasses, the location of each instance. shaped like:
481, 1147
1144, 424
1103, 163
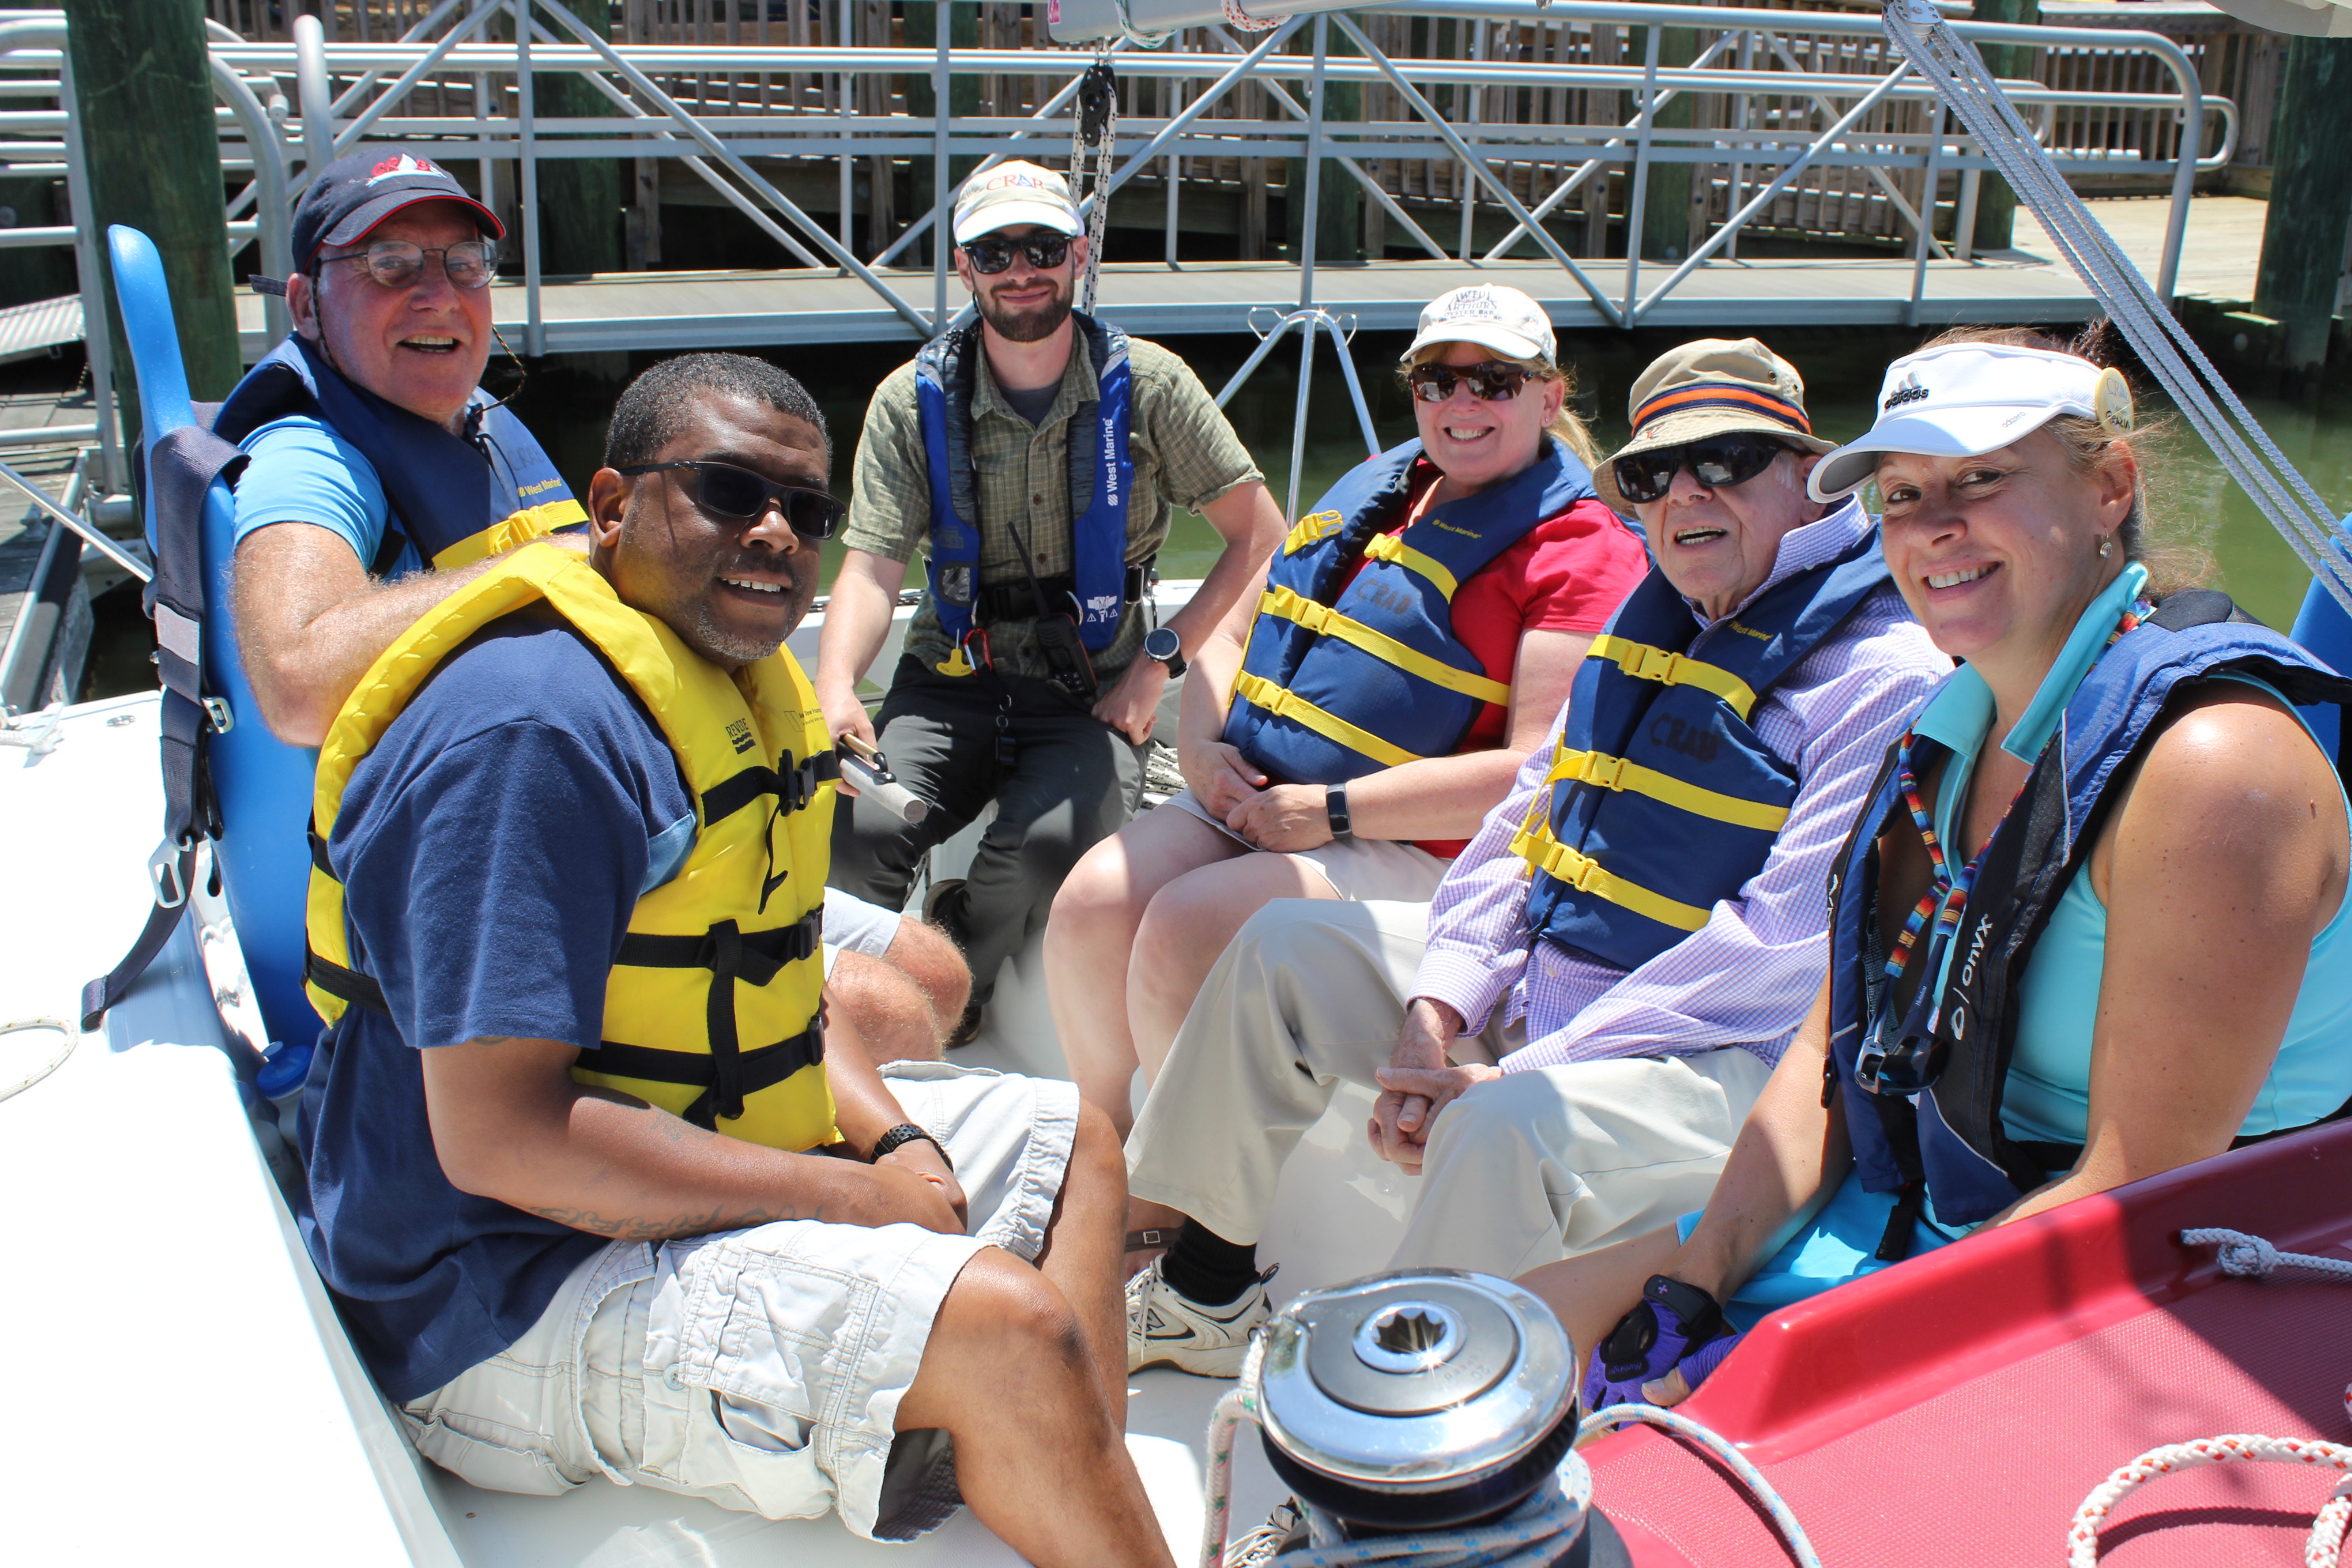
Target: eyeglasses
726, 490
397, 264
1494, 381
992, 253
1717, 462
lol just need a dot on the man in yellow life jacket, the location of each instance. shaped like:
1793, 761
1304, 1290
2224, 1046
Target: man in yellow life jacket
597, 1195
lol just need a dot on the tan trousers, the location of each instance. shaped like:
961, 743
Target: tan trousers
1534, 1167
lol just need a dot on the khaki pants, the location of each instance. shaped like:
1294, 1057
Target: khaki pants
1534, 1167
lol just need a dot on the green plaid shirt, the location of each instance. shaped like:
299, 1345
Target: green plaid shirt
1184, 451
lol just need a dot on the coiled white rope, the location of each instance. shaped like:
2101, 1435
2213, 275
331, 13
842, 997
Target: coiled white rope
2322, 1549
1249, 24
1532, 1534
2242, 1257
42, 1067
1784, 1518
2164, 345
2247, 1256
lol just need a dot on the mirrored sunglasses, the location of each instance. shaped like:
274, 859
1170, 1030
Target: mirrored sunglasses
398, 264
1717, 462
722, 490
991, 253
1494, 381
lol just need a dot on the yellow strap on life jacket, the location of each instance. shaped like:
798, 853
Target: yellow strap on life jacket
1393, 547
1601, 769
1644, 662
1542, 852
516, 528
1325, 621
1264, 693
1310, 529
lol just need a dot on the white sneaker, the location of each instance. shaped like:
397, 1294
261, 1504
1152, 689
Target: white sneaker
1164, 1329
1285, 1530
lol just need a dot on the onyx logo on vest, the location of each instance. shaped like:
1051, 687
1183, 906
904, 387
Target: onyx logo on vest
738, 733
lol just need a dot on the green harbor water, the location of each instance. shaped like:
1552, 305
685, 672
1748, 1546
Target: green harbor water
2193, 499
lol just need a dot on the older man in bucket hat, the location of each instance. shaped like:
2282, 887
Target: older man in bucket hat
1584, 1016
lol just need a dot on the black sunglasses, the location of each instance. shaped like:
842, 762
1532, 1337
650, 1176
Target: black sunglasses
991, 253
1717, 462
1493, 380
726, 490
398, 264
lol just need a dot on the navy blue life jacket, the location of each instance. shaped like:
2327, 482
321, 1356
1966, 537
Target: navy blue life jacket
1101, 478
1949, 1143
1337, 683
1664, 800
447, 492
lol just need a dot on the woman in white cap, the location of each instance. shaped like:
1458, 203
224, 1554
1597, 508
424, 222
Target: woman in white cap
1345, 732
2122, 857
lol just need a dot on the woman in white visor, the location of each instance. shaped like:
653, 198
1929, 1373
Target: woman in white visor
2090, 925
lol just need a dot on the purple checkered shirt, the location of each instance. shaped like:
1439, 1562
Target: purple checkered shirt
1748, 976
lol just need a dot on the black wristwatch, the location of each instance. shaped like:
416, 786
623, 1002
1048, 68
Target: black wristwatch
1163, 645
1335, 806
899, 1137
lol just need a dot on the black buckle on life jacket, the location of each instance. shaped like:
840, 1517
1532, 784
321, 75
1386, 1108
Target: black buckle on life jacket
797, 788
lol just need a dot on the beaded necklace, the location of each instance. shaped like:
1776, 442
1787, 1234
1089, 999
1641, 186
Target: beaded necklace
1948, 892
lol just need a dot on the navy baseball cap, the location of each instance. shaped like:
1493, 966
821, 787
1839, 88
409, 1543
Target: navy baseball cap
360, 189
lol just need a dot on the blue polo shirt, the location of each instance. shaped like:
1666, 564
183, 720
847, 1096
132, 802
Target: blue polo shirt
299, 470
491, 848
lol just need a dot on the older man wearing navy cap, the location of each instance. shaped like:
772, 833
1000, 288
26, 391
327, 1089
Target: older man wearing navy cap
373, 452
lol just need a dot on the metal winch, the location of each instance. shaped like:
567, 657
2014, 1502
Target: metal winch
1417, 1401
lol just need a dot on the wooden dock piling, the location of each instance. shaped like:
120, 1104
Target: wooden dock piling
144, 85
2311, 201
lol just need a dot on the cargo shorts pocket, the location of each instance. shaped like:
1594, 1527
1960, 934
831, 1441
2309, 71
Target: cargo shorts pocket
487, 1463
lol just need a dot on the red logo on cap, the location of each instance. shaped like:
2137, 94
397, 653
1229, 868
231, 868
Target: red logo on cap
402, 164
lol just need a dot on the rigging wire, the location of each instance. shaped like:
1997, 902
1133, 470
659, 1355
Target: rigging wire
2203, 398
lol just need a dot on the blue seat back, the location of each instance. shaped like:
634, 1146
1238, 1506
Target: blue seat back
262, 784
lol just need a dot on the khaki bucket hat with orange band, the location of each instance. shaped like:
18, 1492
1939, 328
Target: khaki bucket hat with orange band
1712, 387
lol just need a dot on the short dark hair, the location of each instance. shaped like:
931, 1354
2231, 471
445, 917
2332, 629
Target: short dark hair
652, 410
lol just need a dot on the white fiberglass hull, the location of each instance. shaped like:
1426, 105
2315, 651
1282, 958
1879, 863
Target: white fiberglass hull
178, 1388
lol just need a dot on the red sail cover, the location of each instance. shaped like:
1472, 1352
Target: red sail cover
1955, 1409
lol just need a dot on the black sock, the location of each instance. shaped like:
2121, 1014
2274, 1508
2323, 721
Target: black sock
1205, 1267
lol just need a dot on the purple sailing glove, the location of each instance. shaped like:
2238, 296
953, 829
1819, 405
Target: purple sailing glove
1676, 1325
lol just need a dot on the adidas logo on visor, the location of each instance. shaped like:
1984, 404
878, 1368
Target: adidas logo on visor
1909, 392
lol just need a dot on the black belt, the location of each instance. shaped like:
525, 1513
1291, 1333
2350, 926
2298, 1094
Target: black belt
992, 603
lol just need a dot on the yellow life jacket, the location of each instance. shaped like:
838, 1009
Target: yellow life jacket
713, 1008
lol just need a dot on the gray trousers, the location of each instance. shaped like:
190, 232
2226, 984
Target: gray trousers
1073, 780
1535, 1166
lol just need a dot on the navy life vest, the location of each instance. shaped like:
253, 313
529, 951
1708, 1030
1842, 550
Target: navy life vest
444, 489
1336, 683
1949, 1143
1664, 800
1101, 478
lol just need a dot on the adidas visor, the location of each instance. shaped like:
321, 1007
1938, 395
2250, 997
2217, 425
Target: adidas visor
1965, 398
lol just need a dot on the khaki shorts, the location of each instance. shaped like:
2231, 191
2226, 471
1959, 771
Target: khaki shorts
1385, 869
762, 1369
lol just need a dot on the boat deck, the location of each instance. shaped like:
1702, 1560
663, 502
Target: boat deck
677, 311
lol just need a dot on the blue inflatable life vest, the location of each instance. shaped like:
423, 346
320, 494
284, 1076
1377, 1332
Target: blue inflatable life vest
447, 491
1946, 1141
1101, 478
1664, 800
226, 776
1337, 683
